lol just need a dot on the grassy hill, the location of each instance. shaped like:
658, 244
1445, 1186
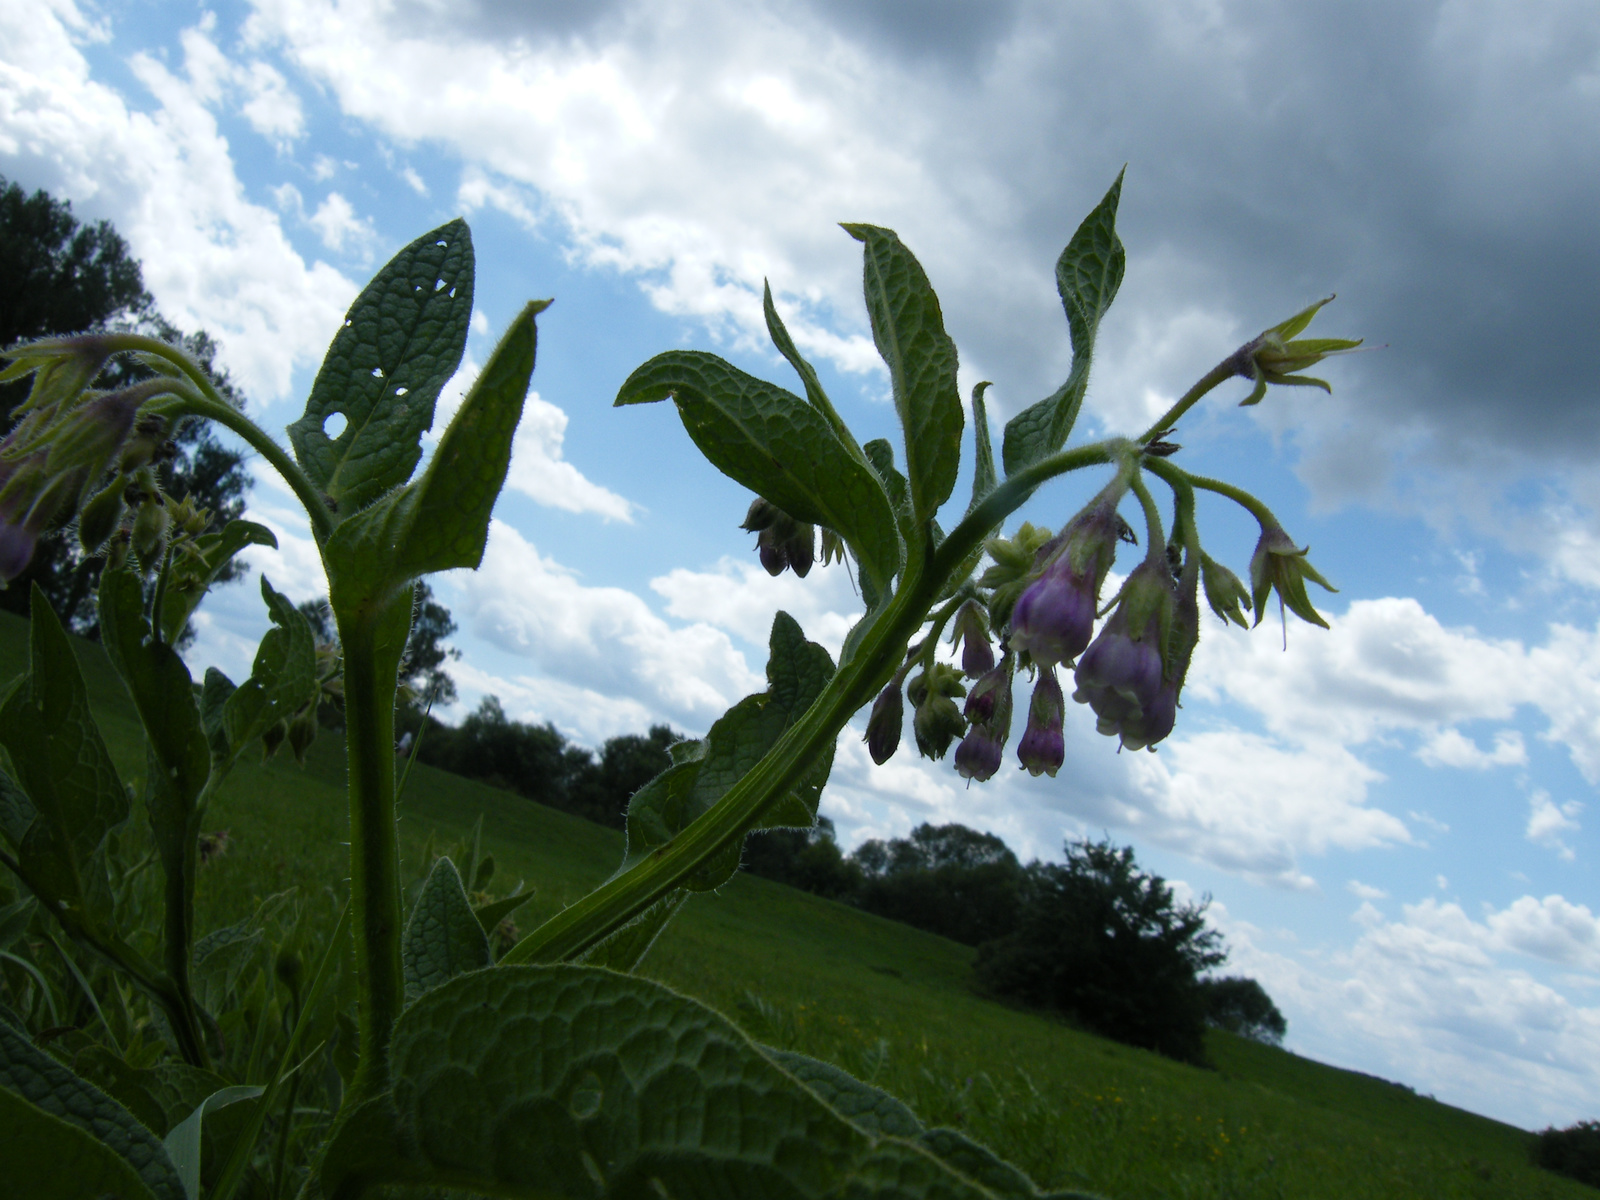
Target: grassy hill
891, 1004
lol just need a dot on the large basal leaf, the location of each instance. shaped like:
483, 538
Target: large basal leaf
401, 341
1088, 274
797, 671
577, 1082
908, 328
282, 680
33, 1076
46, 1158
778, 446
211, 554
442, 520
64, 775
443, 938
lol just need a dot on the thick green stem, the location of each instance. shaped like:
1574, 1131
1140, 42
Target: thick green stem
584, 924
369, 686
1223, 371
1156, 550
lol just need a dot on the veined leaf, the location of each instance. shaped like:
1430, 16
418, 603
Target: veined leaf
1088, 274
401, 341
442, 520
31, 1075
443, 937
282, 680
213, 552
64, 775
778, 446
870, 1109
47, 1158
983, 474
577, 1082
797, 671
908, 327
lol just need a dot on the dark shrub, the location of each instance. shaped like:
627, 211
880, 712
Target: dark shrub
1242, 1006
1573, 1152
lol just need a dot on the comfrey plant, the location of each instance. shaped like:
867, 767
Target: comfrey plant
557, 1072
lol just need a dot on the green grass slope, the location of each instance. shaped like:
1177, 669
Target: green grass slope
891, 1004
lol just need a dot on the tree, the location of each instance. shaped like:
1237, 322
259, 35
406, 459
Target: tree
1242, 1006
809, 859
947, 879
61, 277
1105, 943
422, 668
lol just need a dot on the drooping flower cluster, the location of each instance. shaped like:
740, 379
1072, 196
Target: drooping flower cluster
80, 454
781, 541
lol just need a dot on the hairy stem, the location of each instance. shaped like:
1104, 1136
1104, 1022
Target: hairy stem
1156, 550
369, 685
1239, 496
592, 919
1223, 371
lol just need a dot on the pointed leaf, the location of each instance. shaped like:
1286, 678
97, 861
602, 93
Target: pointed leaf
778, 446
443, 938
490, 915
183, 1143
1088, 274
32, 1075
625, 949
282, 680
908, 327
442, 520
983, 474
47, 1158
212, 553
401, 341
577, 1082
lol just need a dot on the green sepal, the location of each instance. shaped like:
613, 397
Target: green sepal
577, 1082
1088, 274
778, 446
29, 1074
443, 938
908, 328
210, 555
282, 680
400, 343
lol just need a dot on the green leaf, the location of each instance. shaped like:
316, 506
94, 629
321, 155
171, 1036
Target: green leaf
983, 475
490, 915
909, 331
1088, 274
282, 680
64, 771
797, 671
808, 375
221, 955
183, 1143
779, 447
401, 341
872, 1110
577, 1082
212, 553
214, 692
442, 520
47, 1158
443, 937
625, 949
32, 1075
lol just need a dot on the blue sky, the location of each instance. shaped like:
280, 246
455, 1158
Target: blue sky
1395, 817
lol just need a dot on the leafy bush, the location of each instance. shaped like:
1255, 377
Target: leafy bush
1573, 1152
1110, 946
1242, 1006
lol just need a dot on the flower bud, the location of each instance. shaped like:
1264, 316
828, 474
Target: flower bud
937, 720
1054, 617
273, 738
1121, 675
1042, 749
987, 694
885, 723
970, 630
978, 756
1225, 591
150, 532
100, 517
781, 541
302, 732
17, 544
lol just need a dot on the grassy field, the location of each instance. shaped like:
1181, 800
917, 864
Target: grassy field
892, 1004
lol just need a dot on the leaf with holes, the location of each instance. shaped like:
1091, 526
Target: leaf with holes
443, 938
577, 1082
779, 447
1088, 274
908, 327
31, 1075
442, 520
401, 341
